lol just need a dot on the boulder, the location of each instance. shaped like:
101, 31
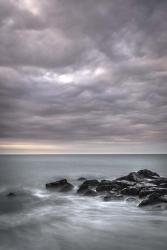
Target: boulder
130, 191
83, 188
133, 176
145, 173
81, 179
11, 194
131, 199
61, 185
113, 197
91, 183
152, 199
107, 187
146, 191
115, 185
158, 181
90, 192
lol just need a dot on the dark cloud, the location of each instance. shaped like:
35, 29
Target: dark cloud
83, 71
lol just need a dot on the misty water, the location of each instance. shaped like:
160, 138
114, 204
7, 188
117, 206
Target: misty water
40, 219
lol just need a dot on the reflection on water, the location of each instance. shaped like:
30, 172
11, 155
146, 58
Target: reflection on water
37, 219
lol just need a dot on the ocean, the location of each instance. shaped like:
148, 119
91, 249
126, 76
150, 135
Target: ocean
39, 219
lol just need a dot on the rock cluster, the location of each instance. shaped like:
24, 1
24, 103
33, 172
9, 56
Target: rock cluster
144, 186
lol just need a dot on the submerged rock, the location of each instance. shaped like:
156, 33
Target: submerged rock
131, 199
113, 197
11, 194
90, 192
61, 185
81, 179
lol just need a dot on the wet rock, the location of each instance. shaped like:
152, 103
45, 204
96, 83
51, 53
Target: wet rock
61, 185
152, 199
130, 191
107, 187
90, 192
83, 188
159, 181
115, 185
163, 185
146, 191
11, 194
124, 183
92, 183
81, 179
145, 173
113, 197
133, 176
131, 199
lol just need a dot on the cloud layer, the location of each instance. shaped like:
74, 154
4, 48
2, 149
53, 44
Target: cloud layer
83, 72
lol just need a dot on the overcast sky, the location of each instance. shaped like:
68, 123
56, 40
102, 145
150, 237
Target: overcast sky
83, 76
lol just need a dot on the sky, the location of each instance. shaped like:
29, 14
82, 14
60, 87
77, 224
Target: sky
83, 76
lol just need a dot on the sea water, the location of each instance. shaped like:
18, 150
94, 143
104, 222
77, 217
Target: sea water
39, 219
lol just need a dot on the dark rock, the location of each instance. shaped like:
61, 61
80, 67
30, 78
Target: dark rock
131, 199
114, 185
61, 185
133, 176
163, 185
146, 191
113, 197
158, 181
83, 188
90, 192
152, 199
130, 191
82, 179
105, 182
145, 173
107, 187
124, 183
11, 194
91, 183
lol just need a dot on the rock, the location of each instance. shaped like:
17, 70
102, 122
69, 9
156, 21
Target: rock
145, 173
146, 191
11, 194
133, 176
105, 182
90, 192
152, 199
131, 199
92, 183
114, 185
163, 185
124, 183
139, 176
113, 197
61, 185
130, 191
82, 179
158, 181
107, 187
83, 188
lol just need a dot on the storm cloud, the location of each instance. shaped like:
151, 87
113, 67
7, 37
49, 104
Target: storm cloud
84, 72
